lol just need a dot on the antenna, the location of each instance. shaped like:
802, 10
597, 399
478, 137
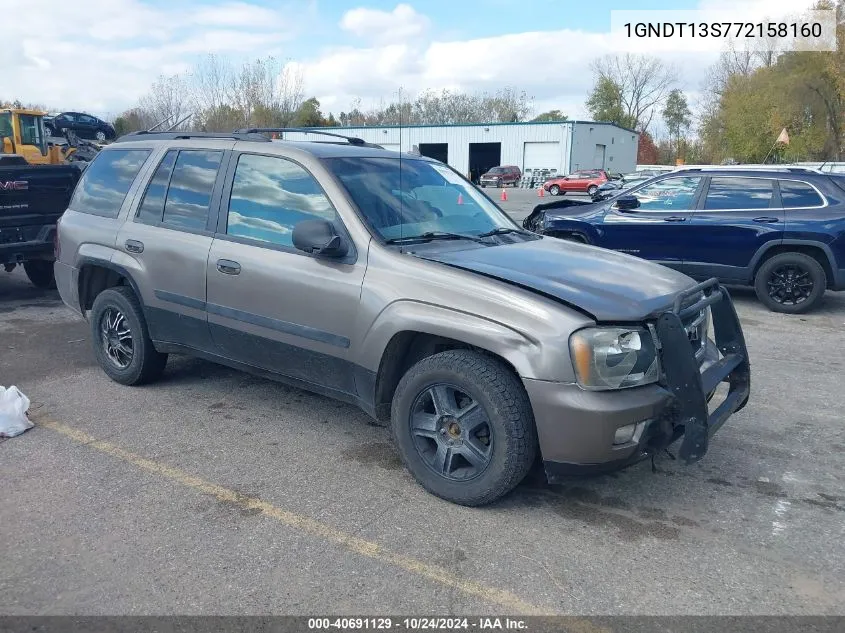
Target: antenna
179, 122
401, 196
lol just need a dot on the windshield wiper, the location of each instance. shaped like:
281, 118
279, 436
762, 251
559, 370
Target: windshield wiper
433, 235
502, 230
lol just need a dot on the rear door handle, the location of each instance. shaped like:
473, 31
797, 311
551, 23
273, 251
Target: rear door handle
766, 220
228, 267
675, 218
134, 246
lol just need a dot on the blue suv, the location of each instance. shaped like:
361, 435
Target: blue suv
781, 231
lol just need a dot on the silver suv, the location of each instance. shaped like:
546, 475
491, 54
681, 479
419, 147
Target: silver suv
391, 282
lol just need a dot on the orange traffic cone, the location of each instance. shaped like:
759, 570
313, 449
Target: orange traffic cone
460, 198
504, 197
541, 192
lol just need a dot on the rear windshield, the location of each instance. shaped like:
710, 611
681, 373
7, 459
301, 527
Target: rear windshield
407, 197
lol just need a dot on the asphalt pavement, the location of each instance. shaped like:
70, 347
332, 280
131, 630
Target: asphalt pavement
216, 492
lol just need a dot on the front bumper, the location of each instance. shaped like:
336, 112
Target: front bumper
576, 428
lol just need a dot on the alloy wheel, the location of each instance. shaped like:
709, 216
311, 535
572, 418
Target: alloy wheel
790, 284
451, 432
116, 338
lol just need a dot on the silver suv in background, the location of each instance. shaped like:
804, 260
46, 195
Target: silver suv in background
391, 282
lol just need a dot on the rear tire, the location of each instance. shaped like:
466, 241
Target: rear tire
483, 411
40, 273
120, 338
791, 283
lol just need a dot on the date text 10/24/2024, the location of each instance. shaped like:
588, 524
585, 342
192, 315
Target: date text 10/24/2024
418, 624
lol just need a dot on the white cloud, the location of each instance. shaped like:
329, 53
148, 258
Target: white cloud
105, 62
399, 25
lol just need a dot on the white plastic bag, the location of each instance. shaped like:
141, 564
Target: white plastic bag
13, 408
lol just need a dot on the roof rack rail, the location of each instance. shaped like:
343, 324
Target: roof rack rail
176, 136
352, 140
791, 169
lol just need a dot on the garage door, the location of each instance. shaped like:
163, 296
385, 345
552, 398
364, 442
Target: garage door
393, 147
541, 156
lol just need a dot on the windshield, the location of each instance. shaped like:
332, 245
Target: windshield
497, 170
420, 198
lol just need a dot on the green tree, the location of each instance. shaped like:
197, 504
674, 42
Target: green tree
605, 103
551, 115
129, 121
308, 114
677, 116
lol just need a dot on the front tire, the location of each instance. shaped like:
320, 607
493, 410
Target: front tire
554, 190
121, 341
591, 190
40, 273
463, 426
100, 136
792, 283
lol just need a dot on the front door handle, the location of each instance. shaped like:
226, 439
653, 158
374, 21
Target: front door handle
766, 220
134, 246
675, 218
228, 267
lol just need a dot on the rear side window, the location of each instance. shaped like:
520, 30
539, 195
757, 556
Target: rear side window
191, 184
179, 193
798, 194
270, 196
727, 193
152, 207
107, 180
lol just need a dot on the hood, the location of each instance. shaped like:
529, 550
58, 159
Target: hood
610, 286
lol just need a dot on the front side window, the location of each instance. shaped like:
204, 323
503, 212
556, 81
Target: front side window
31, 129
726, 193
795, 194
107, 180
189, 193
271, 195
410, 197
6, 125
670, 194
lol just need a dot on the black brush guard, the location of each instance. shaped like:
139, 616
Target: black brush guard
682, 374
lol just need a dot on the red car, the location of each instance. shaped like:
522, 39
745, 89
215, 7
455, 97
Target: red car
588, 180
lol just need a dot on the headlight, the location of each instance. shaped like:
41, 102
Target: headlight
613, 357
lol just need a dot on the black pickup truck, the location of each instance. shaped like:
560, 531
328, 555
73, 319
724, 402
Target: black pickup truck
32, 197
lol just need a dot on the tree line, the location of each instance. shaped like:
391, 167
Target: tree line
749, 96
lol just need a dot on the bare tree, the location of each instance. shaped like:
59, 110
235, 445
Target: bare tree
267, 94
644, 83
168, 100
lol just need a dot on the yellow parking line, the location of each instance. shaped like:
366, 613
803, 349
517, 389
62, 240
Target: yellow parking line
304, 524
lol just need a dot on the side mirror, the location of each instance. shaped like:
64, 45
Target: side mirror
626, 203
318, 237
8, 146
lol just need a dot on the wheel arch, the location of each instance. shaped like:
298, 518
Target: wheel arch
817, 250
406, 332
96, 275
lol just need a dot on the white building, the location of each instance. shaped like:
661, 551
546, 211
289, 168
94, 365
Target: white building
472, 149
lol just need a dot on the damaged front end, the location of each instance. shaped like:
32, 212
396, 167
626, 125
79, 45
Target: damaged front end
693, 384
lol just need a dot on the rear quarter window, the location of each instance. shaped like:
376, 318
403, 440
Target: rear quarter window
795, 195
105, 183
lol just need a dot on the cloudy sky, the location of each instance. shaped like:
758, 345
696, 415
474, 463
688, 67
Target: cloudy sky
102, 55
